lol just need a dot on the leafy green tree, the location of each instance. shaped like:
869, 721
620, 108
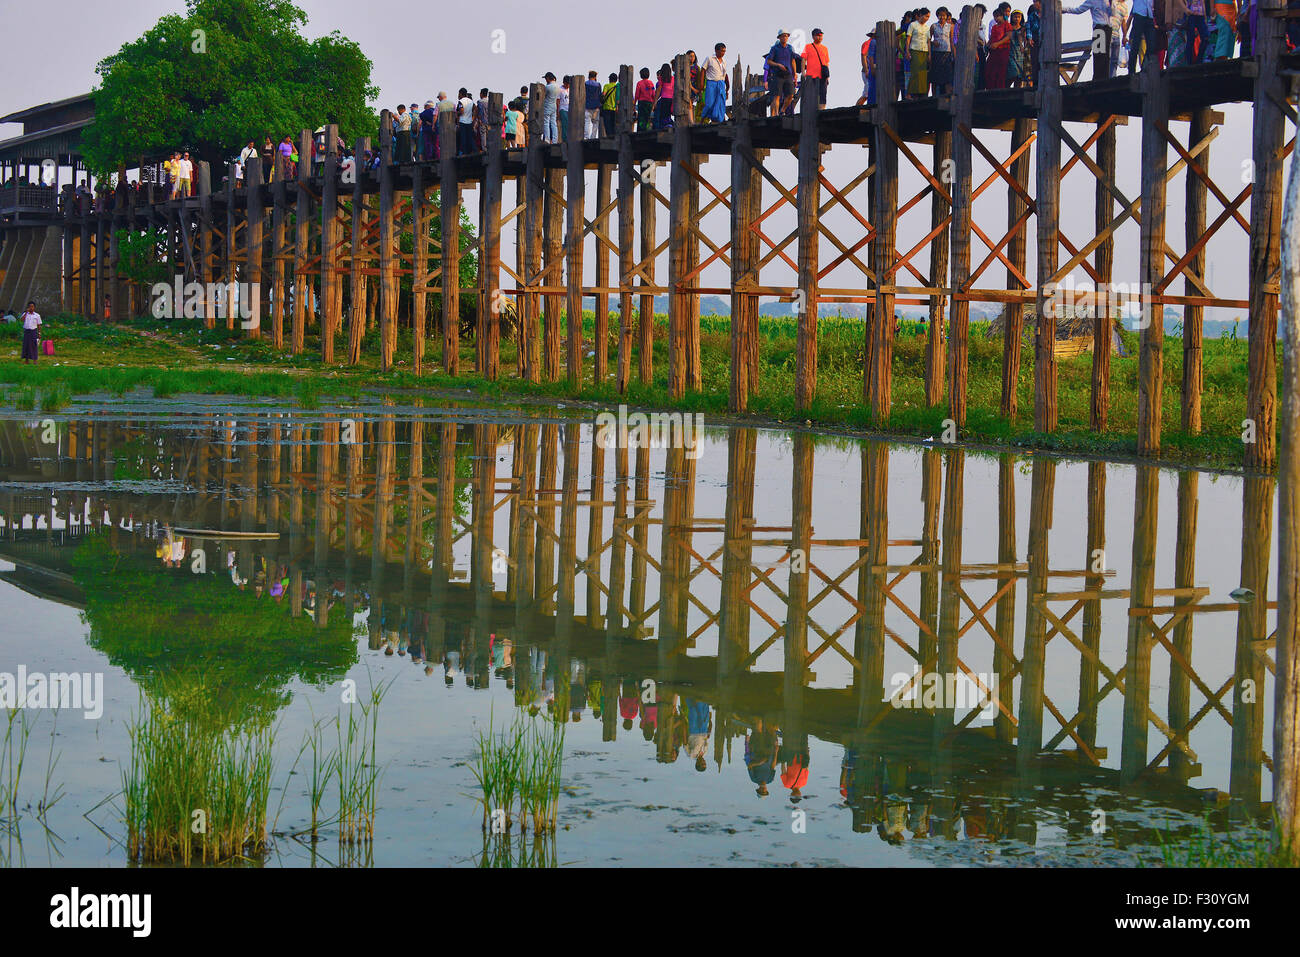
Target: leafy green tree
226, 72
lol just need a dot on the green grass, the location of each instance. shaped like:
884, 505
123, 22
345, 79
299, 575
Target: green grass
520, 766
13, 754
194, 790
1250, 847
152, 354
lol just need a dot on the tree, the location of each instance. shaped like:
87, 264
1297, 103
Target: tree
227, 72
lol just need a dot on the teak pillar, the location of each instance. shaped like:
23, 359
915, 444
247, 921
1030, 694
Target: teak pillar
808, 200
574, 233
626, 224
1048, 204
488, 340
884, 190
962, 103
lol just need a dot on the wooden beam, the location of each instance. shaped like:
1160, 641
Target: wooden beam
809, 201
575, 204
449, 212
488, 340
961, 107
1048, 206
330, 238
1155, 115
884, 185
627, 179
1013, 325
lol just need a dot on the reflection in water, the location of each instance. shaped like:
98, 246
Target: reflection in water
720, 615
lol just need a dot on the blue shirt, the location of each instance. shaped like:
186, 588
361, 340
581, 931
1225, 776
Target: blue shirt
783, 55
1142, 8
593, 95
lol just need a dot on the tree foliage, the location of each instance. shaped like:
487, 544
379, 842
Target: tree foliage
226, 72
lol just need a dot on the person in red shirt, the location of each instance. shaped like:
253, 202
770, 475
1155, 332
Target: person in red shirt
644, 97
816, 66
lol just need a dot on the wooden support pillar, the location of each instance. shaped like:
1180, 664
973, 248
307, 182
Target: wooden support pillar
85, 287
449, 211
1014, 325
553, 250
301, 248
279, 247
419, 266
575, 202
679, 214
595, 533
359, 256
1103, 262
884, 187
230, 251
738, 550
531, 240
330, 239
869, 631
387, 299
1270, 103
931, 509
1286, 692
1137, 669
743, 244
600, 329
946, 658
523, 531
544, 555
796, 631
1048, 207
1155, 120
250, 296
963, 95
808, 201
1200, 128
488, 340
627, 179
645, 314
940, 210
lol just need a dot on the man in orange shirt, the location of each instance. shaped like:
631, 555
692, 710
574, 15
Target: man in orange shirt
816, 66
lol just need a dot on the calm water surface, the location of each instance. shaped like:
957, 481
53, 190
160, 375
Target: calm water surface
721, 627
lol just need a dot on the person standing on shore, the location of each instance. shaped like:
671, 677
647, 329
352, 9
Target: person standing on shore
31, 333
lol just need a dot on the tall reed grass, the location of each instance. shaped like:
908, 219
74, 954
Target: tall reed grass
13, 753
520, 768
195, 790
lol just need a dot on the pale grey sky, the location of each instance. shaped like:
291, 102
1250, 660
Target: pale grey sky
419, 50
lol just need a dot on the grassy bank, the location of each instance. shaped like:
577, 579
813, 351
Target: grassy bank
182, 357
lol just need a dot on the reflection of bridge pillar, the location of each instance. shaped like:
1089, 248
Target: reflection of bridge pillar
1029, 737
295, 520
614, 601
521, 525
1004, 621
444, 513
1092, 607
950, 602
327, 454
385, 465
414, 509
1184, 577
1137, 669
737, 555
568, 533
640, 535
1252, 634
483, 531
351, 543
931, 496
597, 517
796, 627
544, 558
675, 558
869, 633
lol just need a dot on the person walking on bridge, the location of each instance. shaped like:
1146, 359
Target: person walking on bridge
817, 67
717, 84
780, 63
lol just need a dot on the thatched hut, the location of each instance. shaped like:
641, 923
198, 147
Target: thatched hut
1074, 333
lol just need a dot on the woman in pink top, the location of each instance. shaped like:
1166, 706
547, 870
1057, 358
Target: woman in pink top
664, 102
645, 100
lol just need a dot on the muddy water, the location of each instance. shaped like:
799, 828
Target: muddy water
765, 647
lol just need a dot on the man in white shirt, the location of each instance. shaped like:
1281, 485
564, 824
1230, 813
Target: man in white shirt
31, 325
717, 84
185, 173
464, 122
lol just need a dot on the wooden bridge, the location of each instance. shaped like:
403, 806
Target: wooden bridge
652, 576
314, 236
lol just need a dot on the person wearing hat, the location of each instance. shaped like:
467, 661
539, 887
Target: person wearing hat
816, 65
868, 97
428, 119
780, 65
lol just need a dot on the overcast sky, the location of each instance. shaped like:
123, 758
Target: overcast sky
418, 50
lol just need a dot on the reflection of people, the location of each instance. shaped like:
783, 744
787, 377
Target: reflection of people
699, 722
629, 702
760, 756
794, 770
